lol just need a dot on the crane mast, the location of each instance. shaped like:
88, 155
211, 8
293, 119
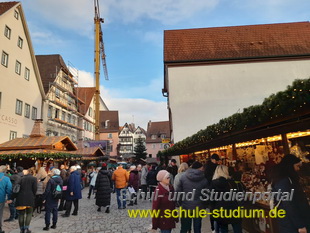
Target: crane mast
99, 50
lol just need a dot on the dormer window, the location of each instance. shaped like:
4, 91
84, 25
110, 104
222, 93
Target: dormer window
154, 136
16, 14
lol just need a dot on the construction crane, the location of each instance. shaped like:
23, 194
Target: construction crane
99, 52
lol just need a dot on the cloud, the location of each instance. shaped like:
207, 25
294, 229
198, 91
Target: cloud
136, 110
45, 36
78, 15
139, 111
165, 11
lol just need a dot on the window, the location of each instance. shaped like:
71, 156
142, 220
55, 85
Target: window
13, 134
16, 14
154, 136
69, 118
163, 136
90, 112
5, 59
63, 116
20, 42
57, 92
27, 110
109, 135
153, 146
73, 120
49, 111
56, 113
19, 107
18, 67
27, 73
7, 32
34, 113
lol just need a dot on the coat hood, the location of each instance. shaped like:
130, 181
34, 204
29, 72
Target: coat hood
134, 171
104, 172
194, 174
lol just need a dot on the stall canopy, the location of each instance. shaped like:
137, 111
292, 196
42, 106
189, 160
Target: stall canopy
89, 153
38, 146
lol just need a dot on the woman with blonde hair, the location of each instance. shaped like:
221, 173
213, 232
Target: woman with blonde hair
183, 167
41, 178
222, 183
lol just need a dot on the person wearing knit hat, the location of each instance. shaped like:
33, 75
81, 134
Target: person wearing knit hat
161, 175
162, 203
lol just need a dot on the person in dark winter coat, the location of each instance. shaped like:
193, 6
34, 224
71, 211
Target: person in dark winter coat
163, 203
73, 193
209, 172
64, 174
134, 183
192, 179
103, 189
286, 178
25, 200
5, 192
222, 183
151, 180
50, 202
15, 179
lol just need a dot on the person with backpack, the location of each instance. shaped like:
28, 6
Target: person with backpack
52, 194
15, 179
5, 192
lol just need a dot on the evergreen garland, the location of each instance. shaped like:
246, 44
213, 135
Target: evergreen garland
46, 156
294, 99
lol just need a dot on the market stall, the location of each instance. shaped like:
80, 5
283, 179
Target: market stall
254, 141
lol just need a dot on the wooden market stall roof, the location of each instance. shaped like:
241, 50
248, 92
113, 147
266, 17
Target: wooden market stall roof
57, 143
89, 153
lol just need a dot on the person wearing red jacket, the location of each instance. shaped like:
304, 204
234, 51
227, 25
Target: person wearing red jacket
161, 203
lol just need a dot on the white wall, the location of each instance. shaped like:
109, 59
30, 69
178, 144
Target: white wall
14, 86
202, 95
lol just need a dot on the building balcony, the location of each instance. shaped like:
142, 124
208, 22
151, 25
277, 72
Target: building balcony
65, 123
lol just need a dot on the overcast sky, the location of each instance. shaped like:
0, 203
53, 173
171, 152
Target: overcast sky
133, 38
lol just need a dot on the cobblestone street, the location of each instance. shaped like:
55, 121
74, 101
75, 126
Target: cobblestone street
89, 220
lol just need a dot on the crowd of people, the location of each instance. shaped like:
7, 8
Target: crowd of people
29, 190
53, 190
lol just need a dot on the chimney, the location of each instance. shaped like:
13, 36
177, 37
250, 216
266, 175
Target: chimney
38, 130
80, 144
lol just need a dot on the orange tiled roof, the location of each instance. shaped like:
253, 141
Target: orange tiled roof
113, 124
157, 128
48, 64
86, 94
37, 143
5, 6
238, 42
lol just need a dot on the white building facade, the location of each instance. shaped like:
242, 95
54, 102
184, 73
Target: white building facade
87, 110
21, 90
225, 78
